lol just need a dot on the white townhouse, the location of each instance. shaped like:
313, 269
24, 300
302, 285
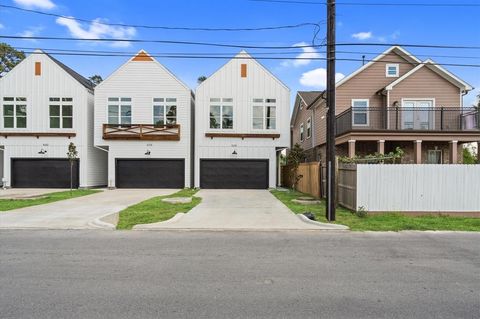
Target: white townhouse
241, 125
143, 121
46, 106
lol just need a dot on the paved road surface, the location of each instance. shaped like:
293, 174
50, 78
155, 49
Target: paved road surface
104, 274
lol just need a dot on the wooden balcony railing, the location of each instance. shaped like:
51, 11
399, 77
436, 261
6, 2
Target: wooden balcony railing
148, 132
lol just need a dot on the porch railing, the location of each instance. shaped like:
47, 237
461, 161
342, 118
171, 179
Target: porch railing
435, 119
141, 132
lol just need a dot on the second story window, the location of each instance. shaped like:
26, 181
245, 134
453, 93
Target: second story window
392, 70
14, 112
264, 114
61, 112
309, 127
360, 112
221, 113
119, 110
164, 111
301, 133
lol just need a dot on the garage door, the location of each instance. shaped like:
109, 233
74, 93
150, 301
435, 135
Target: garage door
154, 173
234, 174
43, 173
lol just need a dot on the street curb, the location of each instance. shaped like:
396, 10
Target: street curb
108, 221
151, 226
324, 226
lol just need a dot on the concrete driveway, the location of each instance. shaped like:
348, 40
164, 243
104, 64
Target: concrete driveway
239, 210
21, 193
77, 213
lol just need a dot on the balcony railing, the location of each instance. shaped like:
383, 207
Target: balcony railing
435, 119
149, 132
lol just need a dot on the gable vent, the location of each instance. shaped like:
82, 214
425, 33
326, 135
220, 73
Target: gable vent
243, 70
142, 56
38, 68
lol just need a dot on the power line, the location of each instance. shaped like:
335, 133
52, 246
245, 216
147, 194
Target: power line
176, 56
407, 4
269, 28
431, 46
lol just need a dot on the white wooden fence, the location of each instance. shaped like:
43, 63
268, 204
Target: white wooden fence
418, 188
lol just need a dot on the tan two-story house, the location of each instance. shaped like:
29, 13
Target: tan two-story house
395, 100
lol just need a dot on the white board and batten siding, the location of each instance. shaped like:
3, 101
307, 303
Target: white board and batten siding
418, 188
53, 81
227, 82
142, 81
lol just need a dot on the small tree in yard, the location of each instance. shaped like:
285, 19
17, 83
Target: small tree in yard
72, 155
294, 158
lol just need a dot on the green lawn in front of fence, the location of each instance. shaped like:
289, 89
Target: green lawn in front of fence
380, 222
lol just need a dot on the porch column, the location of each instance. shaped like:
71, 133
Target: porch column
417, 150
351, 148
381, 147
454, 152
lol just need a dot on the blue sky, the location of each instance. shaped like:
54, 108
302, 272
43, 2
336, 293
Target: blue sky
357, 24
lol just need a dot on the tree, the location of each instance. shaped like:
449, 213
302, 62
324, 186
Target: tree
201, 79
72, 155
294, 158
9, 58
469, 156
95, 79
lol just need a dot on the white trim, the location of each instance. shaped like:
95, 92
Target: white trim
368, 113
402, 53
437, 69
397, 70
119, 109
302, 133
309, 121
221, 104
417, 100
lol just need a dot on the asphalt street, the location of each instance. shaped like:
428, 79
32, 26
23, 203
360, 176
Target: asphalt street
167, 274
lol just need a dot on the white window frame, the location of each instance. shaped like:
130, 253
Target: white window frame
164, 104
397, 70
15, 103
60, 103
440, 151
222, 102
264, 104
302, 133
119, 104
367, 112
431, 120
309, 128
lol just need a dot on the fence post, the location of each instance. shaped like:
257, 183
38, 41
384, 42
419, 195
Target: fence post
441, 118
336, 180
396, 120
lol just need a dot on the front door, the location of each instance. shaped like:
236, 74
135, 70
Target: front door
417, 115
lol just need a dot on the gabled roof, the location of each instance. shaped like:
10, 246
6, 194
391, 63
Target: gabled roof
245, 55
437, 69
140, 57
308, 98
395, 49
83, 81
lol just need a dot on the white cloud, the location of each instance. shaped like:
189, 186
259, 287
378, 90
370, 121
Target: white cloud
97, 30
1, 26
42, 4
303, 58
317, 78
362, 35
31, 32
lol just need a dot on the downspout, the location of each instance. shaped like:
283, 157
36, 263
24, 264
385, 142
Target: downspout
192, 142
312, 128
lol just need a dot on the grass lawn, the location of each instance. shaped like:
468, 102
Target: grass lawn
381, 222
9, 204
153, 210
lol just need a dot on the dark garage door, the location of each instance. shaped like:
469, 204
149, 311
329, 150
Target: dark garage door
43, 173
154, 173
234, 174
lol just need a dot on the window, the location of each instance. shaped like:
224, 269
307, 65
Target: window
119, 110
164, 111
360, 112
301, 132
264, 114
309, 127
221, 113
61, 112
14, 112
392, 70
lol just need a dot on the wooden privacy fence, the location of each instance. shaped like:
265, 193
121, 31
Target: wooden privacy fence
310, 183
347, 185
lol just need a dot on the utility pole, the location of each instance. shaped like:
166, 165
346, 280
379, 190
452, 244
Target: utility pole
331, 188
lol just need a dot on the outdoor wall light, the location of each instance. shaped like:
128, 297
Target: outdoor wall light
234, 152
42, 151
147, 152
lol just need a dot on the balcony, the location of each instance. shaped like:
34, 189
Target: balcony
399, 119
149, 132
